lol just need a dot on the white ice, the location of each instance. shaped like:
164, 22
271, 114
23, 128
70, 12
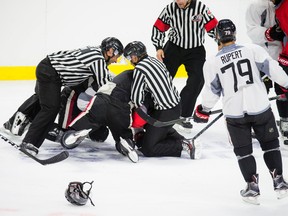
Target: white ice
154, 186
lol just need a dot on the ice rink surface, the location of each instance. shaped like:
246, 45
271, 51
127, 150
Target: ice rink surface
154, 186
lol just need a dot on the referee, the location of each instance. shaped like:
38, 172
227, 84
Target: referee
186, 21
66, 68
150, 76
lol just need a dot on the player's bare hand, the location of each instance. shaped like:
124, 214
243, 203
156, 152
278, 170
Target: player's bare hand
160, 55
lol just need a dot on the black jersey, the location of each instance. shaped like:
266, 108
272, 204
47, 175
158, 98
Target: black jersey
122, 90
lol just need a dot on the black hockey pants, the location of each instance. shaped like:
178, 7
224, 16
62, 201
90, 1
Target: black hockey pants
162, 141
193, 60
105, 110
48, 89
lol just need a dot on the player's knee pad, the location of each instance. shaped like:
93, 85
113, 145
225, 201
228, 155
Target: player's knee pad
267, 146
243, 150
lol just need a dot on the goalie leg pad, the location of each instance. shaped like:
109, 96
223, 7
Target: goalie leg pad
20, 124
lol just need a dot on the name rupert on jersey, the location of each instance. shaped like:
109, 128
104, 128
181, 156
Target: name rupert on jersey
230, 56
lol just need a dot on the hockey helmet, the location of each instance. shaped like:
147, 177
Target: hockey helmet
114, 43
226, 31
76, 195
136, 48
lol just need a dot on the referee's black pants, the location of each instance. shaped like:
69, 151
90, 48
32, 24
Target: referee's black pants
162, 141
48, 89
193, 60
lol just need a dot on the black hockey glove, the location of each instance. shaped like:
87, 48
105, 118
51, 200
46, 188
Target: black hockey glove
200, 116
274, 33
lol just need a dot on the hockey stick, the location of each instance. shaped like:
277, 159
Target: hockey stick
206, 127
282, 97
218, 117
156, 123
57, 158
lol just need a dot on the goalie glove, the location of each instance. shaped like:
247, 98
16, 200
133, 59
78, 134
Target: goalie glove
200, 116
274, 33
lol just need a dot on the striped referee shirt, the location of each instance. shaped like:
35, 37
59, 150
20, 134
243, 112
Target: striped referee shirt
187, 26
151, 75
75, 66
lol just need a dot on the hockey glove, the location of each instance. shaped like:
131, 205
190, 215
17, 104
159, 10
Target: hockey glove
138, 122
200, 116
283, 97
283, 60
274, 33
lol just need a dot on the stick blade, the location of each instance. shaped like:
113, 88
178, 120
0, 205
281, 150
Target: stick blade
55, 159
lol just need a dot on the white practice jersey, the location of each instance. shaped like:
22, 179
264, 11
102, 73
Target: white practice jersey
234, 74
260, 15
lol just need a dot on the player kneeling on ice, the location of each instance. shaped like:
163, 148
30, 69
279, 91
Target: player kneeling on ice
150, 76
234, 73
109, 107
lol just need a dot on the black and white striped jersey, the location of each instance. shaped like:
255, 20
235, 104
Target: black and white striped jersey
150, 75
187, 26
75, 66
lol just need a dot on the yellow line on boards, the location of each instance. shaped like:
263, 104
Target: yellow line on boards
17, 72
28, 72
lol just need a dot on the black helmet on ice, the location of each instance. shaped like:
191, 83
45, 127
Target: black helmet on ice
136, 48
114, 43
226, 31
76, 195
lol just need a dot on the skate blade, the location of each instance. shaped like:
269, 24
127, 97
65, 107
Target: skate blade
133, 156
251, 200
281, 194
180, 128
198, 149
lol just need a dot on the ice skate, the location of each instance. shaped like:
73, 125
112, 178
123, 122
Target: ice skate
55, 134
192, 147
71, 139
30, 148
184, 126
280, 185
251, 193
127, 148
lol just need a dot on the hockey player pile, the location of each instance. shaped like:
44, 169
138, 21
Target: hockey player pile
140, 107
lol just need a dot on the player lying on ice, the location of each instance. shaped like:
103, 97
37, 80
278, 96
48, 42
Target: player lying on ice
111, 106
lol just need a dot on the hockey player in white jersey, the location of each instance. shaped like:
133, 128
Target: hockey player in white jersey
234, 73
264, 30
